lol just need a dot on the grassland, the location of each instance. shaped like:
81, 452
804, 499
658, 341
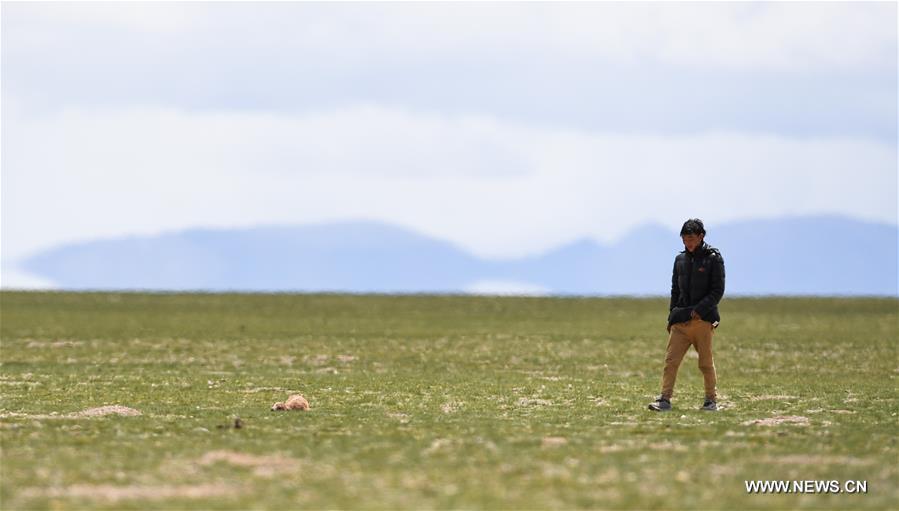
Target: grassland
436, 402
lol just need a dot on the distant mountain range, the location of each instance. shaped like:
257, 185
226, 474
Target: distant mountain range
795, 256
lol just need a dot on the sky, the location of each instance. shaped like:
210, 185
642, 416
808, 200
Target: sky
505, 128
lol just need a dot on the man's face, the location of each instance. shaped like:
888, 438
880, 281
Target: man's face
691, 241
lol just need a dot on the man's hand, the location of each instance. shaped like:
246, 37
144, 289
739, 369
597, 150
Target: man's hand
693, 315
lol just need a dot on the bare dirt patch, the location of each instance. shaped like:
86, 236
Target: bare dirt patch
553, 441
107, 410
34, 416
54, 344
317, 360
262, 466
719, 471
111, 493
668, 446
778, 420
83, 414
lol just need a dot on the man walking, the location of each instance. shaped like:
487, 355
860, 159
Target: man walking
697, 285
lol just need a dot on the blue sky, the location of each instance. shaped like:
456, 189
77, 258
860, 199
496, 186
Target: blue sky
506, 128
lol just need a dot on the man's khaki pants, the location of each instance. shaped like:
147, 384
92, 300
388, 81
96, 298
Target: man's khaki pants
697, 333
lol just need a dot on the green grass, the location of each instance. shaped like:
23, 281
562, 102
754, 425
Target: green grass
436, 402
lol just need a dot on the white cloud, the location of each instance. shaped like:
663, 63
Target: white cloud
788, 36
496, 188
790, 69
143, 17
13, 278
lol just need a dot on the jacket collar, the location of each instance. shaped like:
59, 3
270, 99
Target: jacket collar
700, 250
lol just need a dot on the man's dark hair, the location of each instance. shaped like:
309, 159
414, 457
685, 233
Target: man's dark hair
692, 226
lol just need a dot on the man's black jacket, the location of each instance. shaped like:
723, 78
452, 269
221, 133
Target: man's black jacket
697, 284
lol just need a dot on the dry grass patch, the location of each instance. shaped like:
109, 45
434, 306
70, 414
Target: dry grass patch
401, 417
772, 397
778, 420
263, 389
439, 444
451, 407
813, 459
525, 401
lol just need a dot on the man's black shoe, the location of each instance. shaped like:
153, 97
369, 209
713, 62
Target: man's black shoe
709, 406
660, 405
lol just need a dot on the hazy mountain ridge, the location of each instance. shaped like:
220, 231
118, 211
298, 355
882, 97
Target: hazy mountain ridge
809, 255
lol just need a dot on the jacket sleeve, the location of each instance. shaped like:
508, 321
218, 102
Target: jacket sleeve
716, 288
675, 290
